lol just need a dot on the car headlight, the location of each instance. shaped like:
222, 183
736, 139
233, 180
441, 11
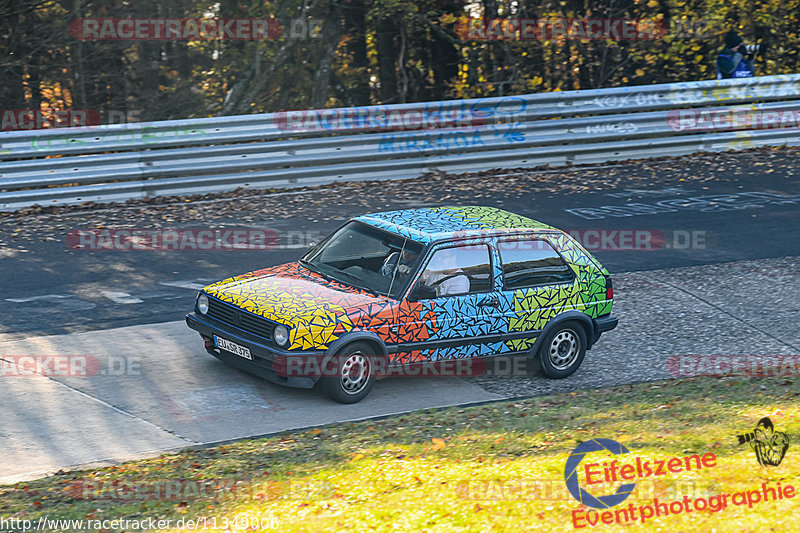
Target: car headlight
202, 303
281, 335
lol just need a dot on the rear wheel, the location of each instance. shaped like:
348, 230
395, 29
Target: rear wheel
354, 374
562, 350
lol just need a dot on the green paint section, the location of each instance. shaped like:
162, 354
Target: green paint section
535, 307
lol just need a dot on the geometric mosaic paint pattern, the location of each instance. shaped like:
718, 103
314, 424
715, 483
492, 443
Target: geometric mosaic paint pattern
319, 311
430, 224
535, 307
316, 310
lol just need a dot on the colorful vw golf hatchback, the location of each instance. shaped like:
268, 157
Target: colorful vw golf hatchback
411, 287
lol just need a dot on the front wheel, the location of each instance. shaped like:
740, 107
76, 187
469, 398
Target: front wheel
354, 374
562, 350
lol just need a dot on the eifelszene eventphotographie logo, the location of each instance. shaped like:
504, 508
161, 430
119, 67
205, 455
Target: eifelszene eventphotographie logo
626, 469
617, 470
770, 445
571, 474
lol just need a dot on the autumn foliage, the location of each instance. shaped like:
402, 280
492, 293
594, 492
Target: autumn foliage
339, 53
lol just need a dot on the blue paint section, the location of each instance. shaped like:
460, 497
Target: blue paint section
527, 309
428, 224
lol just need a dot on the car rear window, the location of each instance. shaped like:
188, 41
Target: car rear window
530, 262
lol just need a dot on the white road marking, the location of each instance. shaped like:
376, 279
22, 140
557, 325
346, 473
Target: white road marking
185, 284
121, 297
43, 297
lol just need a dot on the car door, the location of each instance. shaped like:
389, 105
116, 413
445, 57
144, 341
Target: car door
538, 284
453, 308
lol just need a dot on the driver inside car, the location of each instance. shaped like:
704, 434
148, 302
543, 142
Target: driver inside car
406, 259
444, 274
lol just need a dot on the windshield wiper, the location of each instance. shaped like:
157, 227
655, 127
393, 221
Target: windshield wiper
314, 268
357, 279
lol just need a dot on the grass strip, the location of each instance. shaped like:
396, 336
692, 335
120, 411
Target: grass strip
497, 467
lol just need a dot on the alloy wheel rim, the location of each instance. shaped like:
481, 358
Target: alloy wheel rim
564, 349
355, 373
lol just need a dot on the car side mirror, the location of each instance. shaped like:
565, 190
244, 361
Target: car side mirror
421, 292
413, 295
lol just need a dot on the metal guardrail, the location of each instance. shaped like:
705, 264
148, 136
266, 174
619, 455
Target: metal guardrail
301, 148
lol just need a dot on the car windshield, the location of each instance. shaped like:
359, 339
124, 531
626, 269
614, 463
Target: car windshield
367, 258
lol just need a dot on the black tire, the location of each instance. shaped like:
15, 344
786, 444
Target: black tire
562, 350
355, 373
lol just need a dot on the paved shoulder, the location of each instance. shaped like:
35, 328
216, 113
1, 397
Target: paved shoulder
46, 426
117, 393
687, 321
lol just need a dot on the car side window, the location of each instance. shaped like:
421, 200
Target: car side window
530, 262
457, 270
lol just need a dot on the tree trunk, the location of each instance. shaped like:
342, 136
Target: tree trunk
331, 33
489, 13
253, 81
12, 91
445, 58
355, 17
149, 60
387, 58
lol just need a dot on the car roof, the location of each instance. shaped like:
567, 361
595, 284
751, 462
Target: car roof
430, 224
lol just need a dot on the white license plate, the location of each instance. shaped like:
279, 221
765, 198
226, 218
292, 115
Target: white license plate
232, 347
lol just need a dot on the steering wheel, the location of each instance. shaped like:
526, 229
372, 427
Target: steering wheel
433, 286
390, 263
442, 280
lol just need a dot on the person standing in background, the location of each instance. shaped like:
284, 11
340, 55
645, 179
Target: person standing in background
736, 59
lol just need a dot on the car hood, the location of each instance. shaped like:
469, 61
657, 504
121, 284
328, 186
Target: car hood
316, 310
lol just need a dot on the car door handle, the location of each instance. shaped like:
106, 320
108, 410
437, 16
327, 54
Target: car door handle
492, 301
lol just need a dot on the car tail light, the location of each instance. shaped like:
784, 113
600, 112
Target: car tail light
609, 288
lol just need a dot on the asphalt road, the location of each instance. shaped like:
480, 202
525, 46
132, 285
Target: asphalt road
100, 397
719, 216
104, 396
716, 272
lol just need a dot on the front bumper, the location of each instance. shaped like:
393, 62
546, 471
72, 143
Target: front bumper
268, 362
